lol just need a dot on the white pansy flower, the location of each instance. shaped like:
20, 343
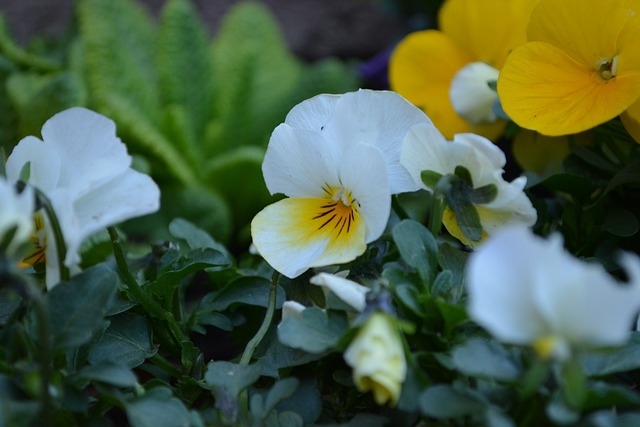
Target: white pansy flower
16, 212
426, 149
470, 94
377, 357
350, 292
83, 168
337, 160
526, 290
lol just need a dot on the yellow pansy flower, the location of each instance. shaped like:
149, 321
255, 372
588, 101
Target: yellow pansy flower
445, 72
377, 358
580, 68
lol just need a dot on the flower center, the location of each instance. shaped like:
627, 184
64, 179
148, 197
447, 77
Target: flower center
551, 346
607, 68
339, 212
38, 241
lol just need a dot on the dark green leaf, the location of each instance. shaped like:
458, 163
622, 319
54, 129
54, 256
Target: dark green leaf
602, 395
231, 377
77, 308
306, 402
280, 356
313, 331
127, 342
620, 222
483, 195
194, 236
245, 290
417, 247
626, 358
109, 373
486, 359
467, 217
464, 174
443, 402
157, 408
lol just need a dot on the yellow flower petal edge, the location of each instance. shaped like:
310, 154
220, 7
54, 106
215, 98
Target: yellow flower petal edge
543, 89
631, 120
421, 69
486, 29
295, 234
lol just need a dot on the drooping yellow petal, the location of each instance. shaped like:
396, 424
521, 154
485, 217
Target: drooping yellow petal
486, 29
421, 70
542, 88
295, 234
587, 30
631, 120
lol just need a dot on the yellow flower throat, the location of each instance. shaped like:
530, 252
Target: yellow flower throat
607, 68
339, 213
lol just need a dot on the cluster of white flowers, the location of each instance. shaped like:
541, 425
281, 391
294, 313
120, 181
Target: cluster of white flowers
84, 171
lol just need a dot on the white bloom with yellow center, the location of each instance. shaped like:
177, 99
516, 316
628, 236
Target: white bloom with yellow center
378, 360
83, 168
337, 158
16, 210
526, 290
426, 149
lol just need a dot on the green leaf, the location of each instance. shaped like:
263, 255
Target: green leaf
278, 356
260, 78
464, 174
306, 402
195, 236
231, 377
127, 342
601, 395
444, 402
77, 308
620, 222
327, 75
430, 178
483, 195
185, 67
284, 419
313, 331
245, 290
240, 168
417, 247
625, 358
457, 196
157, 408
109, 373
574, 384
260, 408
172, 274
485, 359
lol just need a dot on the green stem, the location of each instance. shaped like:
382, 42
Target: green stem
266, 322
61, 249
22, 57
44, 335
149, 304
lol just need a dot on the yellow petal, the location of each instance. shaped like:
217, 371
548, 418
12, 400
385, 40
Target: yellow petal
631, 120
542, 88
295, 234
421, 70
587, 30
451, 224
486, 29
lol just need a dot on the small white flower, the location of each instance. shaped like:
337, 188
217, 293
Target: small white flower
337, 160
350, 292
470, 94
16, 212
84, 170
526, 290
378, 360
426, 149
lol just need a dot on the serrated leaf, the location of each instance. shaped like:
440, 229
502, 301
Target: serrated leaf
185, 65
260, 77
240, 168
77, 308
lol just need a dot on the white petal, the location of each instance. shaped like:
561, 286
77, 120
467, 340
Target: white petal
471, 96
501, 285
381, 119
583, 304
89, 149
313, 113
348, 291
489, 150
363, 173
16, 212
292, 309
298, 163
45, 164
